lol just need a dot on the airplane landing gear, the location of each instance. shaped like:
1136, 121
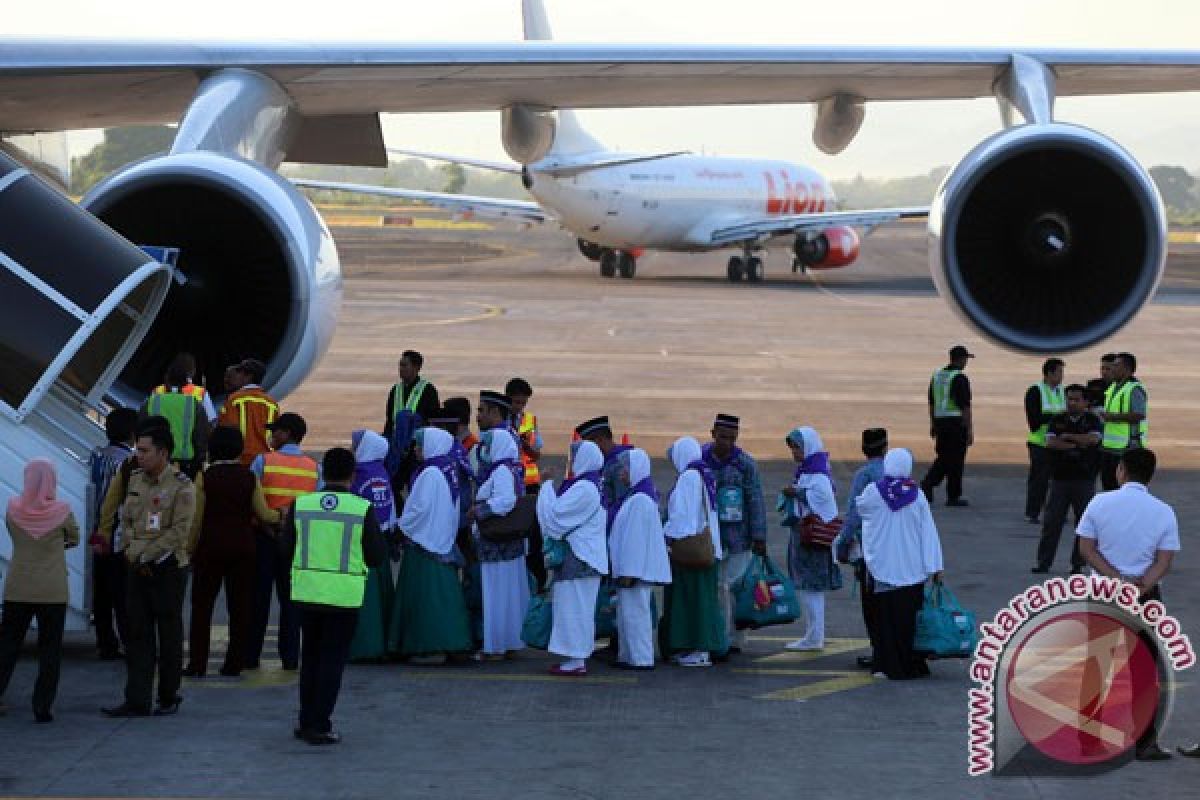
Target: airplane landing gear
735, 270
626, 265
749, 266
617, 261
608, 263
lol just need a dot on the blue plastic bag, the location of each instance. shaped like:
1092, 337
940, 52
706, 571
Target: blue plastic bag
539, 621
944, 628
764, 596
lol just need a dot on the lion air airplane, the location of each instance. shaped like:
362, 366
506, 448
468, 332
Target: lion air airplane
619, 205
1046, 238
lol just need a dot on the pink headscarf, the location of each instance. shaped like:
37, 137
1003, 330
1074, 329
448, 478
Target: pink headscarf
37, 510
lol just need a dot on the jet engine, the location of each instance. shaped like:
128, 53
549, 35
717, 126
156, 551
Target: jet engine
258, 274
835, 247
526, 133
1047, 238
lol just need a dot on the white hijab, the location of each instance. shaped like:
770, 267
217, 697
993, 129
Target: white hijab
688, 508
637, 546
499, 491
578, 515
430, 515
371, 447
818, 496
902, 547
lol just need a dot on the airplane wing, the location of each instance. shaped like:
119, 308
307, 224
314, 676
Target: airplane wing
794, 224
565, 169
479, 163
482, 206
50, 85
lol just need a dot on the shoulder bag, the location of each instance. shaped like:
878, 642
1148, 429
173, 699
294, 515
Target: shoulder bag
519, 523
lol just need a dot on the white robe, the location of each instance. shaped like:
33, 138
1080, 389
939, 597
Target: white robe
637, 546
430, 515
574, 612
688, 509
577, 514
902, 547
504, 584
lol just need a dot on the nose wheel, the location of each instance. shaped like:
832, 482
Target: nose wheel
749, 267
613, 262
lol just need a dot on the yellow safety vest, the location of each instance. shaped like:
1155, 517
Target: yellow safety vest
943, 402
328, 566
414, 397
180, 411
1120, 435
1054, 401
528, 425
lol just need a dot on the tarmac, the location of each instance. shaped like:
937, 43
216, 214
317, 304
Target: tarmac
662, 354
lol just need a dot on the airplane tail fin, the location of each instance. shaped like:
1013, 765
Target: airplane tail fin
570, 139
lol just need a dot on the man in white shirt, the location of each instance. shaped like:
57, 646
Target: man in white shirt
1131, 535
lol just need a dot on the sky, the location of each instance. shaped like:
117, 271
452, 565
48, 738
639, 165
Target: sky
895, 139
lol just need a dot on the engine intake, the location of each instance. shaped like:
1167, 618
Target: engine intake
1047, 238
258, 275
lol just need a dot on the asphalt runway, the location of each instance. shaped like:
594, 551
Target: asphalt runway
661, 354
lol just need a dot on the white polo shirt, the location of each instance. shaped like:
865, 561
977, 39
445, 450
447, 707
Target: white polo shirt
1130, 525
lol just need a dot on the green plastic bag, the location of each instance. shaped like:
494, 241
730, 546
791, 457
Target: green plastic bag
539, 621
764, 596
944, 628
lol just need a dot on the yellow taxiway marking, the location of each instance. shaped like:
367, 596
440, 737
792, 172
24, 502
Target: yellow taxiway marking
251, 679
799, 672
833, 647
454, 674
850, 680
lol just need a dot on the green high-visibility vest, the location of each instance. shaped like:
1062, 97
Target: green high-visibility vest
328, 567
1122, 435
414, 397
943, 403
180, 411
1054, 401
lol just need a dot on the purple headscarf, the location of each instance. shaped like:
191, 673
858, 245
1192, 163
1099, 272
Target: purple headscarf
897, 489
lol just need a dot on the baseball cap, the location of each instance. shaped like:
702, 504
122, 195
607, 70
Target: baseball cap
292, 423
958, 351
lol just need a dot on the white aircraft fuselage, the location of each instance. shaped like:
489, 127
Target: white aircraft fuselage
675, 203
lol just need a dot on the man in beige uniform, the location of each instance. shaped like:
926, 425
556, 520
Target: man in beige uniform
156, 520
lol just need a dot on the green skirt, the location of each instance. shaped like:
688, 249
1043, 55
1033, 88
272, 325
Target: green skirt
370, 635
692, 618
430, 614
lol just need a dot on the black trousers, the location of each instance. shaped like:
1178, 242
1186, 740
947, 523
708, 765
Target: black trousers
13, 627
870, 606
950, 447
1070, 494
1108, 469
236, 570
274, 574
1038, 482
155, 606
1150, 737
327, 638
108, 601
898, 610
535, 561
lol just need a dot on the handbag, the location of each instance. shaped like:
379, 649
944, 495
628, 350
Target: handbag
814, 531
944, 628
554, 552
539, 621
695, 551
764, 596
519, 523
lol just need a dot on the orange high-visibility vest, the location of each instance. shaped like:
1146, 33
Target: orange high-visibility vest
250, 411
528, 426
287, 477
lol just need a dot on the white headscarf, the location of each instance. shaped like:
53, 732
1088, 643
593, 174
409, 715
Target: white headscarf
577, 514
688, 510
637, 546
430, 515
371, 447
900, 547
499, 491
816, 488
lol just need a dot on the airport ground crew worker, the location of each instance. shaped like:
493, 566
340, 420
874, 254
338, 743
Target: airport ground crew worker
330, 539
250, 409
1043, 400
951, 426
181, 403
156, 521
741, 514
1126, 408
530, 442
286, 474
413, 401
183, 368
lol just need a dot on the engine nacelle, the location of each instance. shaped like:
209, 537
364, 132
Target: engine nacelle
1047, 238
834, 248
258, 274
838, 119
527, 134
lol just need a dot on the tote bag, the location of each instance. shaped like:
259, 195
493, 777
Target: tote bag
944, 628
764, 596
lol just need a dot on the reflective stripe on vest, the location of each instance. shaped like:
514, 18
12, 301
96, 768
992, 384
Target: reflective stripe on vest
1054, 401
287, 477
414, 397
943, 403
328, 566
180, 412
240, 404
1120, 435
191, 390
528, 425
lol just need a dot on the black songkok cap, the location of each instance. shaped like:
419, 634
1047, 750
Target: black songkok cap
444, 418
496, 399
457, 407
593, 426
873, 438
727, 421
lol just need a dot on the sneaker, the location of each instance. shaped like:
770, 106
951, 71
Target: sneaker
559, 670
700, 659
803, 646
958, 502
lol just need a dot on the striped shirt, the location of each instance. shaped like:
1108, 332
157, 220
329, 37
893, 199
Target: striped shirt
102, 467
